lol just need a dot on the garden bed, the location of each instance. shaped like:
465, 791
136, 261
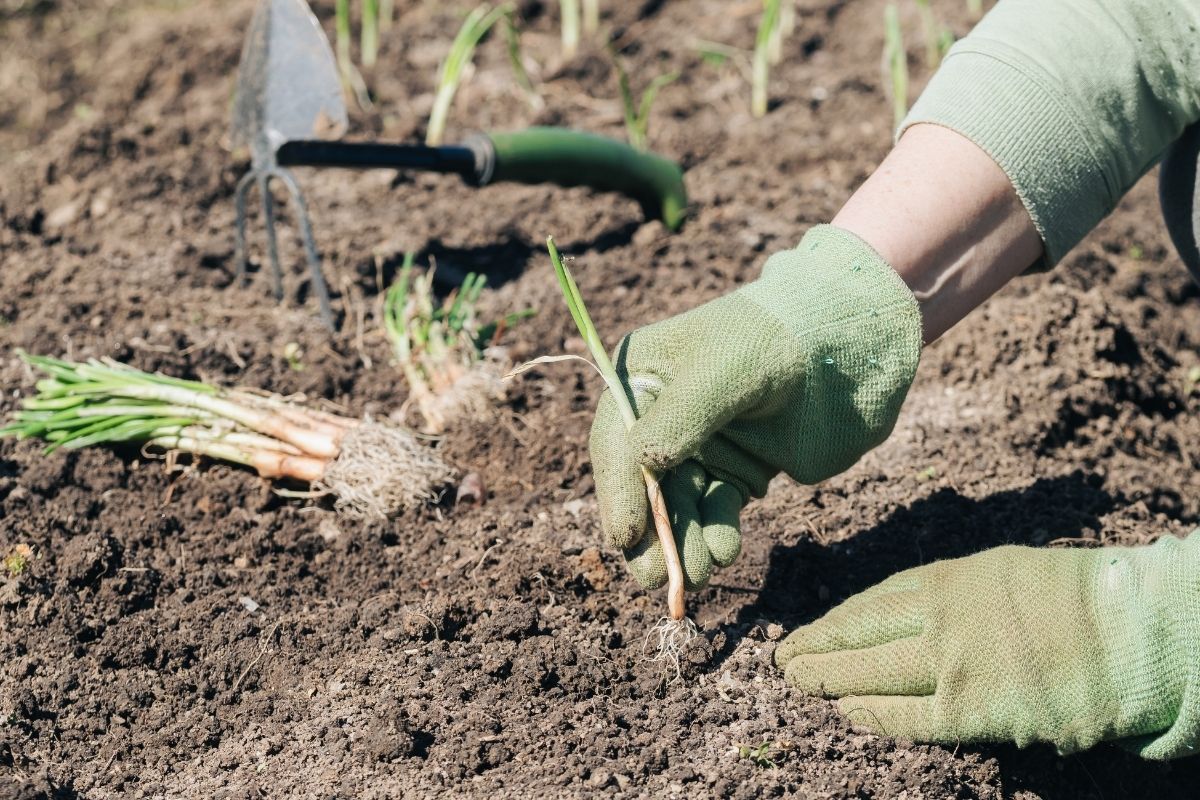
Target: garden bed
193, 634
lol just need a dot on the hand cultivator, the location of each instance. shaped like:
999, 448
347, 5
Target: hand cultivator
289, 97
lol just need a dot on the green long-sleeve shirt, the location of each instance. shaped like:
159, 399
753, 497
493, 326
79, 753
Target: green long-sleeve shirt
1074, 99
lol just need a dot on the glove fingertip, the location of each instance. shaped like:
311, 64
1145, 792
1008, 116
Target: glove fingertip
696, 560
623, 527
800, 675
721, 511
661, 439
724, 543
646, 564
620, 491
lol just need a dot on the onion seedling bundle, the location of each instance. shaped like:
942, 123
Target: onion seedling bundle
372, 470
658, 506
446, 355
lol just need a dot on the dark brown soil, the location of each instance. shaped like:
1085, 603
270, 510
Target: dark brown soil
498, 650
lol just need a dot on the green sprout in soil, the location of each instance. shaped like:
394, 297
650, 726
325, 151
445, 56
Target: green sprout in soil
473, 29
975, 8
938, 38
760, 754
603, 365
784, 27
569, 11
767, 30
637, 115
787, 18
294, 356
18, 560
896, 61
351, 78
591, 16
1191, 382
448, 359
341, 29
375, 17
372, 470
715, 54
512, 41
368, 41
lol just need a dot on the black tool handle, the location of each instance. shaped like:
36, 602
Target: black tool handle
536, 155
457, 160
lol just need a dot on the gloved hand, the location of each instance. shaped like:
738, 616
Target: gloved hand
1071, 647
801, 371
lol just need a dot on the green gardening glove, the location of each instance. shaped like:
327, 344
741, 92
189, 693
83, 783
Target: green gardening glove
1071, 647
801, 371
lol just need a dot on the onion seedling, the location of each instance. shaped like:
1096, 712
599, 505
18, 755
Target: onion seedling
387, 13
368, 42
975, 8
784, 27
351, 78
637, 115
341, 30
767, 25
938, 37
372, 470
591, 16
569, 11
658, 507
473, 29
445, 354
896, 60
718, 54
512, 38
787, 18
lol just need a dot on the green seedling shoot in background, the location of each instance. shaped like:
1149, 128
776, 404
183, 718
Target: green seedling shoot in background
473, 29
767, 26
938, 37
637, 115
569, 11
351, 78
896, 61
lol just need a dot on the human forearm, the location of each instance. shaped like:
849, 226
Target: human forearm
947, 219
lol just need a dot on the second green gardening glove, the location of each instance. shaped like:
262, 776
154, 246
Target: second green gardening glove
801, 371
1071, 647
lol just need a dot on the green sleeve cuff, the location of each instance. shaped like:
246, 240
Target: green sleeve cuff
1074, 99
1012, 114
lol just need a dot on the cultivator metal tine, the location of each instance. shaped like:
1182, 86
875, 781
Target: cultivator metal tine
262, 177
239, 198
310, 246
268, 202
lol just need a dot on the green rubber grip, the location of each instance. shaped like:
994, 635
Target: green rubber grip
574, 158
